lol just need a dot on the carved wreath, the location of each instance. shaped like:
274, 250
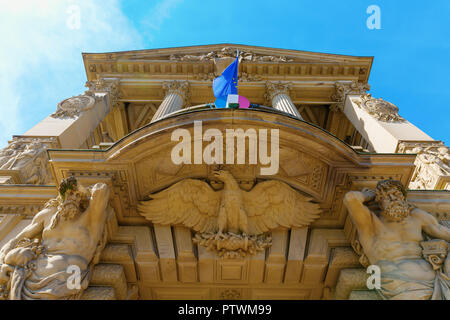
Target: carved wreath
380, 109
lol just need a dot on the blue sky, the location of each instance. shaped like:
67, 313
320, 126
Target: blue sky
41, 64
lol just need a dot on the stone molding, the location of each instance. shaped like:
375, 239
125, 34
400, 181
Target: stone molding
249, 77
205, 76
242, 77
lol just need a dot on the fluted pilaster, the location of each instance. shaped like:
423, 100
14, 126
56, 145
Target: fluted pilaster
278, 94
177, 94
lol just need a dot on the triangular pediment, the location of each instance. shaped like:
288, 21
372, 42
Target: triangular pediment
248, 53
211, 53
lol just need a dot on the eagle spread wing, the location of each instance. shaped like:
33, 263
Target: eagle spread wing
271, 204
190, 202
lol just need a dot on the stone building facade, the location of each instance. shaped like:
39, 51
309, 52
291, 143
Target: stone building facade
334, 137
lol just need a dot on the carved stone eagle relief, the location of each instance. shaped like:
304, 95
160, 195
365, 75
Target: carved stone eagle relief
230, 221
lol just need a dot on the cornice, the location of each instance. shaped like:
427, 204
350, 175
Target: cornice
199, 62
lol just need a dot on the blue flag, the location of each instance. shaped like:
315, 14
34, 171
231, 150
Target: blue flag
227, 83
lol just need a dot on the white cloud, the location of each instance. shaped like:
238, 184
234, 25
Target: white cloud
40, 57
160, 13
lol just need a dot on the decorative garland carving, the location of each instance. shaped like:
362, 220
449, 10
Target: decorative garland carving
232, 246
227, 52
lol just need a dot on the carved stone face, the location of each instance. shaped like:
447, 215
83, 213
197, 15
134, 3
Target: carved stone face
71, 203
75, 202
392, 202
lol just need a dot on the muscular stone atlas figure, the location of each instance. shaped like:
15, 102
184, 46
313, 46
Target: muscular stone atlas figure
67, 232
392, 240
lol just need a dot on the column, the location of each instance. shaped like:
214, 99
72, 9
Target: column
177, 93
278, 94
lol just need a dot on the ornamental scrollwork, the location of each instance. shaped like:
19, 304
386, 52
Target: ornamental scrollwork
380, 109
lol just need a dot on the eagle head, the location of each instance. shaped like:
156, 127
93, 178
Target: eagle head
223, 175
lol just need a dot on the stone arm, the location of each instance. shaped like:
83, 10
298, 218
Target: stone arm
98, 202
361, 216
34, 229
431, 226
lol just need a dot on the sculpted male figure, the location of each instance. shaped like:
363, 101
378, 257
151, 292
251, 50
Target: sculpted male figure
67, 232
391, 240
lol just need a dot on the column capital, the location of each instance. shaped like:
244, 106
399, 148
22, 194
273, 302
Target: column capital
275, 88
112, 88
180, 88
345, 88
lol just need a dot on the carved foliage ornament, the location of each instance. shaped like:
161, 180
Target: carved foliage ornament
345, 88
102, 86
232, 222
275, 88
380, 109
180, 88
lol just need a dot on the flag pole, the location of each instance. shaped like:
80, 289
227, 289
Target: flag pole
237, 73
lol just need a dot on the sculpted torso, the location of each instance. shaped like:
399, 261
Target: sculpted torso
396, 246
394, 240
73, 237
